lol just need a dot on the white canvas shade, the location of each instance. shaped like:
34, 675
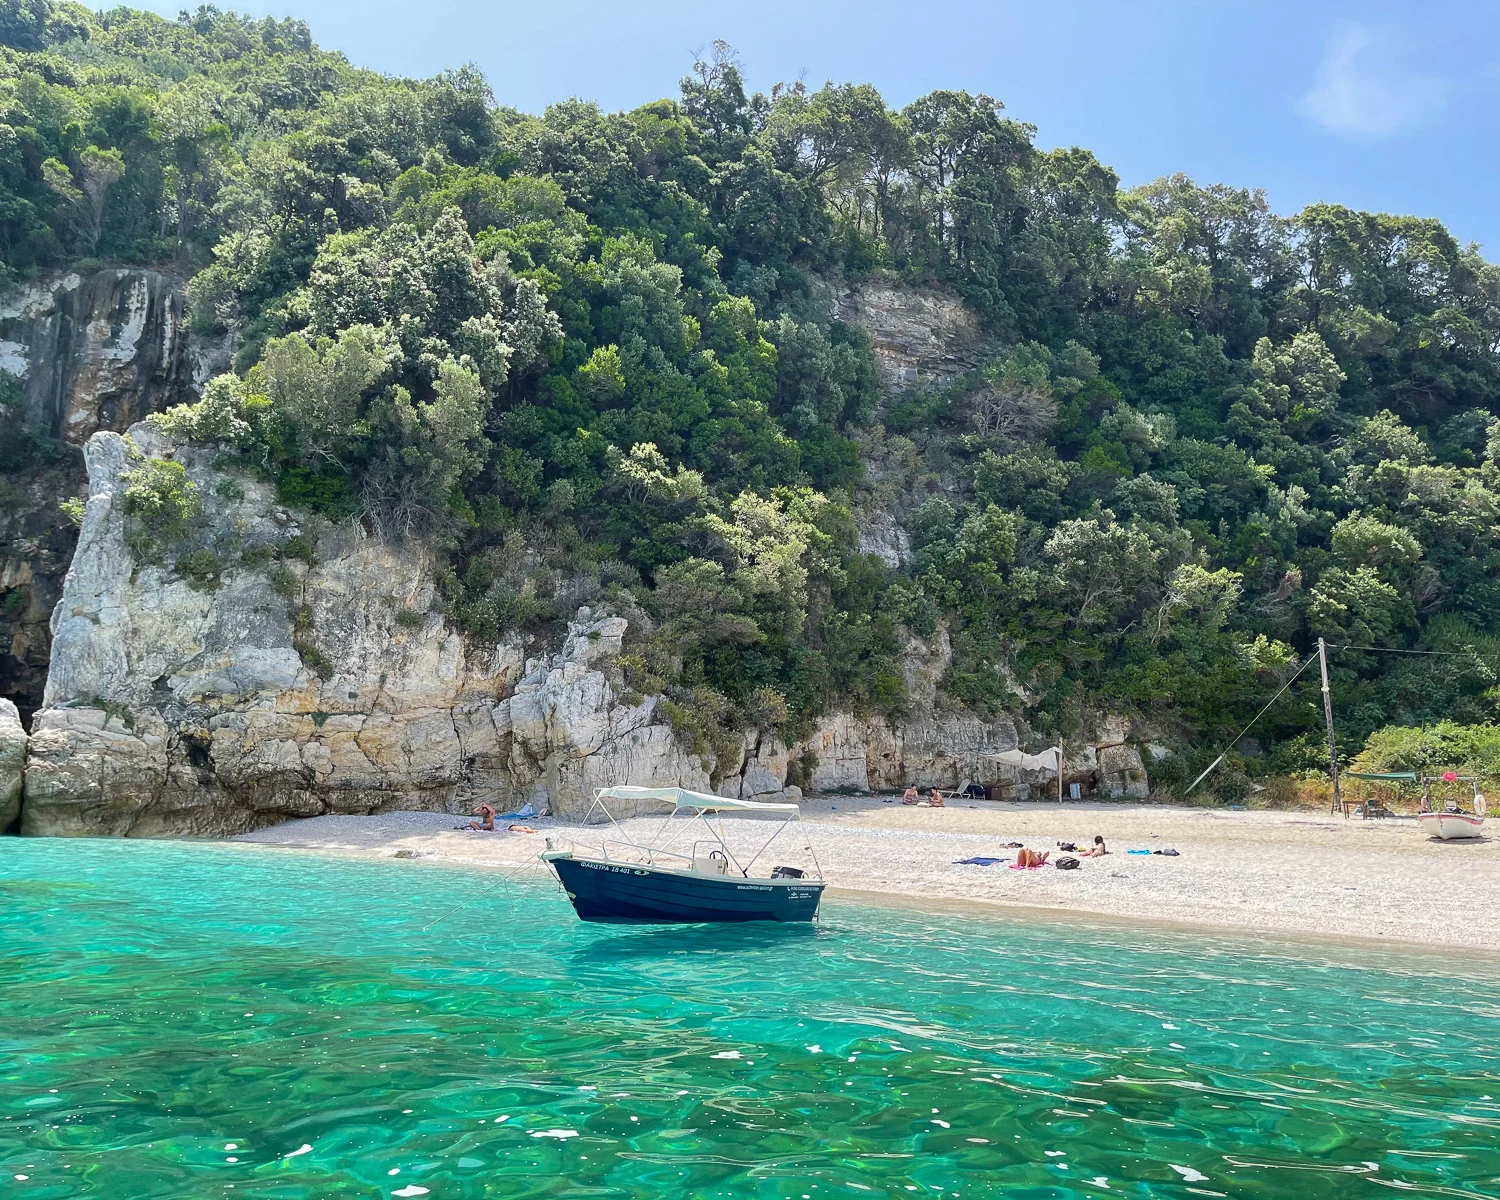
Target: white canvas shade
1045, 761
682, 798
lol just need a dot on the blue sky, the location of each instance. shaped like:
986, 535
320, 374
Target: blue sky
1377, 105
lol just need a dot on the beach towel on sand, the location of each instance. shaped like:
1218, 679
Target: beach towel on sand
978, 862
1032, 867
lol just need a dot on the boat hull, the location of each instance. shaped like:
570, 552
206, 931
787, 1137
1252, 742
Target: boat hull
609, 891
1450, 826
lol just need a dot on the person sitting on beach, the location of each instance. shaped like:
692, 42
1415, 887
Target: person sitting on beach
935, 798
1097, 850
486, 815
1030, 858
910, 796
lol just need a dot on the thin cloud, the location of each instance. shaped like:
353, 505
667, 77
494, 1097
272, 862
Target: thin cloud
1361, 92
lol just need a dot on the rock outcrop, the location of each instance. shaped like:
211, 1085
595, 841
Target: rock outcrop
100, 351
921, 336
267, 686
933, 747
36, 543
90, 352
12, 764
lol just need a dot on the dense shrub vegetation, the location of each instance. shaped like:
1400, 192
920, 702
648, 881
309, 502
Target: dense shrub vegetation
592, 356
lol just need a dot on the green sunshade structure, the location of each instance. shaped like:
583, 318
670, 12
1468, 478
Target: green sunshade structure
1383, 776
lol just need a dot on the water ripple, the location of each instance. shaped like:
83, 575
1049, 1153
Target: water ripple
164, 1003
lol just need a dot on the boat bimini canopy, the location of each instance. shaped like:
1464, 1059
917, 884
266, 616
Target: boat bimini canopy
682, 798
699, 806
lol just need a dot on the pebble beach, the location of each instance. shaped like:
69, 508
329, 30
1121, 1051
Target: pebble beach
1290, 873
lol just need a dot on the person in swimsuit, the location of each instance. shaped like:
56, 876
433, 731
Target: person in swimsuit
935, 798
1097, 850
1030, 858
486, 814
910, 796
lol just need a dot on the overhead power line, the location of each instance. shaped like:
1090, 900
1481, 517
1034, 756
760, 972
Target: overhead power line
1232, 744
1432, 653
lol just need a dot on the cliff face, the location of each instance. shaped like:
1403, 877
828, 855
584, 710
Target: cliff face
301, 673
288, 688
98, 351
920, 336
90, 352
298, 670
12, 764
36, 543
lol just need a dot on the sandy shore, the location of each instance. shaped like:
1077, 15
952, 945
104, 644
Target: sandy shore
1291, 873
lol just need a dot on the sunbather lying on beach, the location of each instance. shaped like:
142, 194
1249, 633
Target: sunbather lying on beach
1030, 858
486, 814
1097, 850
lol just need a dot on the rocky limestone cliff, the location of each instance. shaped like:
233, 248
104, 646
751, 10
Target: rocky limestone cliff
304, 674
12, 764
285, 688
36, 543
920, 335
90, 352
100, 351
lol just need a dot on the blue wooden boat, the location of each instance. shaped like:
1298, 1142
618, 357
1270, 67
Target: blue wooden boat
673, 880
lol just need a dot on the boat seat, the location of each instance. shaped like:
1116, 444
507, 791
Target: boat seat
710, 866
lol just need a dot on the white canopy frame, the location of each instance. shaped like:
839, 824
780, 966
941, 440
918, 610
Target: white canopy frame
1048, 760
700, 804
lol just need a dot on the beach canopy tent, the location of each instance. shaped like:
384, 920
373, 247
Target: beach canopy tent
1047, 760
682, 798
1383, 776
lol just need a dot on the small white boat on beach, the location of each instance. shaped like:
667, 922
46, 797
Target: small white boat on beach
1450, 826
1451, 823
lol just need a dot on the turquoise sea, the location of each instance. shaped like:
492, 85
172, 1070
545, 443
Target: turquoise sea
223, 1021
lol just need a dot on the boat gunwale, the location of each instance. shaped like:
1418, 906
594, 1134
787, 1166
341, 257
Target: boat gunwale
551, 856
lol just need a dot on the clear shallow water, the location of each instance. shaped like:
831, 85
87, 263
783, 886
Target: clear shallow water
191, 1021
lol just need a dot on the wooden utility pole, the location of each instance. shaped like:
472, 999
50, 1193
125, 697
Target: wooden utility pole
1333, 751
